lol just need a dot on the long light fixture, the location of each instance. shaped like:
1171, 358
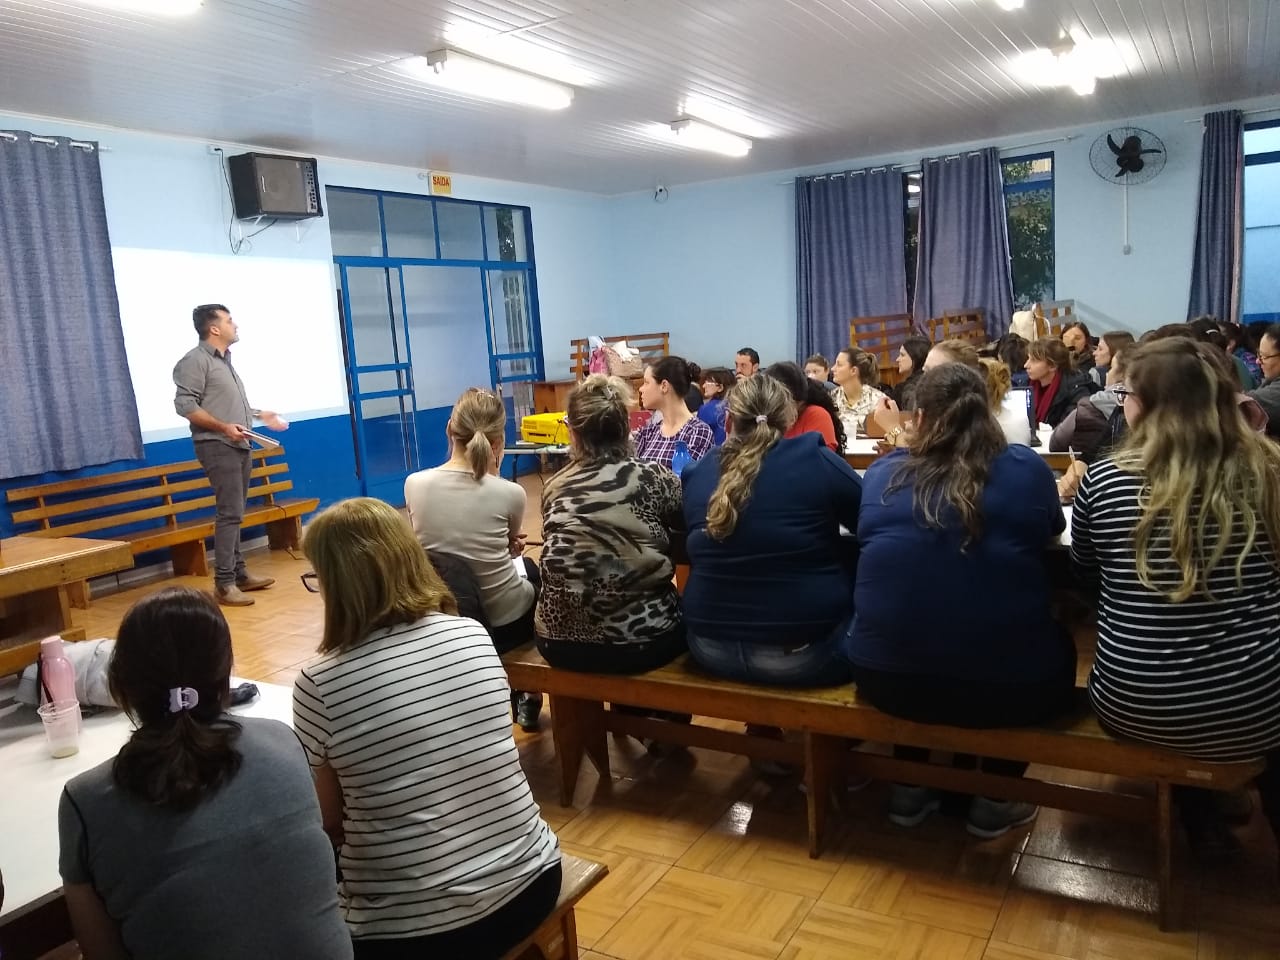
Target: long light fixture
474, 77
703, 136
1009, 5
164, 8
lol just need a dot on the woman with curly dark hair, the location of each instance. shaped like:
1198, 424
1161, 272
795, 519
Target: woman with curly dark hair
815, 410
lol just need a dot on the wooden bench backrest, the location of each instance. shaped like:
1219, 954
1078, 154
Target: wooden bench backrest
69, 508
1057, 462
652, 347
881, 335
968, 325
1052, 315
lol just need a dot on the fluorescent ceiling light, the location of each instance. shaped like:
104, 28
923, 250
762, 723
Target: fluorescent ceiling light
703, 136
724, 116
474, 77
1009, 4
166, 8
1079, 62
532, 54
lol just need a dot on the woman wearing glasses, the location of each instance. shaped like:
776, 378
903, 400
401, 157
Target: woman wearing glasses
404, 720
1178, 530
466, 509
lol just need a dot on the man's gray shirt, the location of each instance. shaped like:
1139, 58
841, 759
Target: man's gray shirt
206, 380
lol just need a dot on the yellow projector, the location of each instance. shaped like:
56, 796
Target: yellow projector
544, 428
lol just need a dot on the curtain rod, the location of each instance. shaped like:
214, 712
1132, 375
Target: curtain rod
84, 145
1243, 113
915, 167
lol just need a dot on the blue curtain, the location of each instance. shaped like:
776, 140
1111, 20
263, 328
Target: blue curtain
66, 400
1216, 269
963, 259
850, 255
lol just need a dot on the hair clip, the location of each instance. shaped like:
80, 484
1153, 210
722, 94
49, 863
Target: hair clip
762, 418
182, 698
608, 392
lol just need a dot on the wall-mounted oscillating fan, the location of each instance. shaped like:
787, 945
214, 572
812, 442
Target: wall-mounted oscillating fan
1127, 156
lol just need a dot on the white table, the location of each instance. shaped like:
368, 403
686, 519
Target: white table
33, 782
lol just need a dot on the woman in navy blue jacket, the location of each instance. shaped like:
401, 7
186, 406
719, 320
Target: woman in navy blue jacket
953, 624
767, 599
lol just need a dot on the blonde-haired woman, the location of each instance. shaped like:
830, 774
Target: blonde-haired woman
1010, 410
771, 580
1179, 529
465, 508
608, 603
404, 720
857, 375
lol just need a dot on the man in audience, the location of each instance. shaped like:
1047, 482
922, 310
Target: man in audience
746, 363
1268, 395
211, 396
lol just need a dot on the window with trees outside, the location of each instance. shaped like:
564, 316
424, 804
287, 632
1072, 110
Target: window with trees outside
1028, 202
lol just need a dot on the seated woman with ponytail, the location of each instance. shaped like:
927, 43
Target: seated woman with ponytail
202, 839
769, 588
953, 624
815, 410
465, 508
608, 603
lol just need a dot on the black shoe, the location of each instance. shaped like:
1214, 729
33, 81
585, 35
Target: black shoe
528, 707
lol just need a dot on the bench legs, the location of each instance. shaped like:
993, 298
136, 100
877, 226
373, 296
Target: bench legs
577, 727
284, 534
190, 559
822, 767
1164, 854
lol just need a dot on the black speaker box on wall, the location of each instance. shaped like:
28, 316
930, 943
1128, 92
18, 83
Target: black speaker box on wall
270, 185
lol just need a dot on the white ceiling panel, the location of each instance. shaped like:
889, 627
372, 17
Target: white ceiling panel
812, 81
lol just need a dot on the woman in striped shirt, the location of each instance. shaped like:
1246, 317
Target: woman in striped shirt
405, 722
1179, 530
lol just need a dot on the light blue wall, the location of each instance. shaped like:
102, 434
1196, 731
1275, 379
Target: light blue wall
715, 263
167, 195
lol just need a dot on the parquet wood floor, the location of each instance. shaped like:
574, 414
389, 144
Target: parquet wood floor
707, 859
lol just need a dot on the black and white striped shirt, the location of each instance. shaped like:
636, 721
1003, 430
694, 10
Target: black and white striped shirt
1201, 677
441, 829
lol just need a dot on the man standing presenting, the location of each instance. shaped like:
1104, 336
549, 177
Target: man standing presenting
211, 396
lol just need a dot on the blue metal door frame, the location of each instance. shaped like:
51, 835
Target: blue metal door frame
378, 486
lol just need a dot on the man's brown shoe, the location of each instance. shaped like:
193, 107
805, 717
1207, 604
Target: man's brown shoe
232, 597
250, 582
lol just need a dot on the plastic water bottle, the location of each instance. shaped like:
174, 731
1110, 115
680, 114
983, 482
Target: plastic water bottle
56, 672
680, 457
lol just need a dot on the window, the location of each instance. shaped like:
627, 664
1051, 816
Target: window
1261, 294
1028, 201
1028, 204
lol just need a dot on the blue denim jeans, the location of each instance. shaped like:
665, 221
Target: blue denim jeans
816, 664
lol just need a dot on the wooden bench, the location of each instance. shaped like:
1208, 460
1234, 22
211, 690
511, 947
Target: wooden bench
557, 937
828, 719
153, 508
1052, 315
550, 396
1058, 462
882, 336
970, 325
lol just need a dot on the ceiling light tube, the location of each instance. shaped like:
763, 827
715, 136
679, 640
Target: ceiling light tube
165, 8
474, 77
1009, 4
703, 136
